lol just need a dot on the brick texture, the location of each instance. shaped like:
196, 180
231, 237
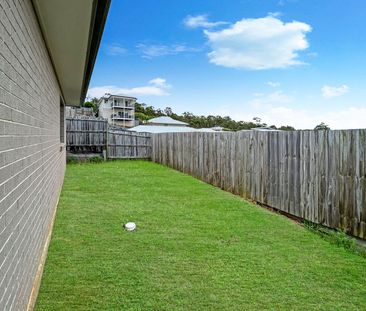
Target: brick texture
32, 161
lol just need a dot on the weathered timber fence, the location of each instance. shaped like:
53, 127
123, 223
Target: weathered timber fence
86, 134
94, 135
128, 145
319, 176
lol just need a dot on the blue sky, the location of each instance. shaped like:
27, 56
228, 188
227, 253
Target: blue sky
289, 62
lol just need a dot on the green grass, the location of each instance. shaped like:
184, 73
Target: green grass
196, 248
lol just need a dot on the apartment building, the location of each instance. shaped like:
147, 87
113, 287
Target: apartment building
118, 109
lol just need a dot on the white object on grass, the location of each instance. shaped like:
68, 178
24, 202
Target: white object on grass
130, 226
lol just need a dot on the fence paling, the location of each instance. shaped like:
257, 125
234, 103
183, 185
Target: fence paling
86, 134
315, 175
129, 145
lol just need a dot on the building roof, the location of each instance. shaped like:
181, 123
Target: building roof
108, 96
218, 128
168, 129
161, 129
166, 120
206, 129
265, 129
72, 31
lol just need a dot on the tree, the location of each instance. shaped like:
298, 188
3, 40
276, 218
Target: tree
91, 105
322, 127
286, 128
144, 113
168, 111
141, 116
150, 111
257, 120
95, 100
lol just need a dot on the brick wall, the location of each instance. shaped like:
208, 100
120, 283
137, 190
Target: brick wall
32, 160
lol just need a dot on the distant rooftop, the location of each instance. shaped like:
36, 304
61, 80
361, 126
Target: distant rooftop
107, 96
161, 129
168, 129
206, 129
166, 121
264, 129
218, 128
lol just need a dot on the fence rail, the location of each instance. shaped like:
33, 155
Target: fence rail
319, 176
94, 135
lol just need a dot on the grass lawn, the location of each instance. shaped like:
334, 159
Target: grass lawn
196, 248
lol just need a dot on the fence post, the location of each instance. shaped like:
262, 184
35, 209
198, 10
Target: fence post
106, 155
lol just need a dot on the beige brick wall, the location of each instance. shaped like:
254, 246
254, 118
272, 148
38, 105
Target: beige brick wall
31, 161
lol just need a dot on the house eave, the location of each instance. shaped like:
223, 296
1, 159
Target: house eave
72, 31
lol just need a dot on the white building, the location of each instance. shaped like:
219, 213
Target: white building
166, 121
163, 125
262, 129
168, 125
119, 110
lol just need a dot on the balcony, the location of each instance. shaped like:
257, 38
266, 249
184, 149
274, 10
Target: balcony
122, 116
121, 106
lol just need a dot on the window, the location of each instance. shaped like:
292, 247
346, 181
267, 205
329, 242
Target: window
62, 122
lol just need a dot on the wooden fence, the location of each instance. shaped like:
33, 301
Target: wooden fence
319, 176
85, 135
128, 145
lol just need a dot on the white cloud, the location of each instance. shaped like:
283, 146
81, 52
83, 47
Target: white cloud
275, 14
115, 49
157, 50
284, 2
155, 87
201, 21
273, 84
351, 117
334, 91
264, 100
159, 82
300, 118
258, 43
347, 118
278, 108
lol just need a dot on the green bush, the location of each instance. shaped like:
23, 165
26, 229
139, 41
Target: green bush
95, 160
77, 160
72, 160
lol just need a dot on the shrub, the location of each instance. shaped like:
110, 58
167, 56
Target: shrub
71, 159
95, 160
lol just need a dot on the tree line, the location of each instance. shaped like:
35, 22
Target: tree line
144, 112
